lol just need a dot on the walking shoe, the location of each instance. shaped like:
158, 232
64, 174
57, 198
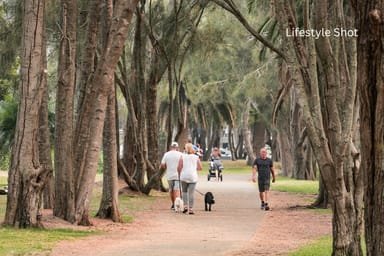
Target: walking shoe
262, 205
172, 207
266, 207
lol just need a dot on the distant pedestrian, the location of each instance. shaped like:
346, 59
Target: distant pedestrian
263, 166
170, 162
189, 164
215, 162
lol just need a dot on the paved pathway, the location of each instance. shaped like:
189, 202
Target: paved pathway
228, 227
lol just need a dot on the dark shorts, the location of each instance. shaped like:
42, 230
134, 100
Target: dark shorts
263, 185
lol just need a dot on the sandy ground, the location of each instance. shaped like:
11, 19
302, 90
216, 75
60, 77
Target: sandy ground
236, 226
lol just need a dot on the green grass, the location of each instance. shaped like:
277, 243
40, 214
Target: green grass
20, 242
321, 247
284, 184
230, 167
31, 241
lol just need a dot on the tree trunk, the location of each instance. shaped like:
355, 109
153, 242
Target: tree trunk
322, 199
26, 177
231, 144
370, 81
329, 121
258, 136
109, 199
91, 118
247, 135
298, 134
45, 136
64, 204
283, 137
158, 67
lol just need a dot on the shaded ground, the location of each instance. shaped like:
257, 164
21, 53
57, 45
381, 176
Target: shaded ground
235, 227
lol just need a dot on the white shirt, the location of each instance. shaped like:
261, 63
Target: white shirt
189, 171
171, 159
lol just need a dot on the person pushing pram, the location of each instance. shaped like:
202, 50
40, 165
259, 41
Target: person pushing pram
216, 166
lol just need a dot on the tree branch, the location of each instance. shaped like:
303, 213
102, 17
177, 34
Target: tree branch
232, 8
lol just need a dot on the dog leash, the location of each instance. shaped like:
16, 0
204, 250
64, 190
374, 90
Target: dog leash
199, 192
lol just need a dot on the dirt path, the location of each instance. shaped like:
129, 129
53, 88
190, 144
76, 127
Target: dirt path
236, 226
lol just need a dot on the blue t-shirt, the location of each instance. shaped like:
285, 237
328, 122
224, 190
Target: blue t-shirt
263, 168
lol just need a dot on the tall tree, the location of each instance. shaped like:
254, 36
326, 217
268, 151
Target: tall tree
45, 135
370, 81
91, 118
109, 200
328, 110
64, 205
26, 177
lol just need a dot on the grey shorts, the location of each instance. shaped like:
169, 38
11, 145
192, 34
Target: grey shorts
173, 185
264, 185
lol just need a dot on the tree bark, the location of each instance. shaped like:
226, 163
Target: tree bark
247, 135
26, 177
92, 116
45, 136
109, 199
370, 81
329, 121
64, 204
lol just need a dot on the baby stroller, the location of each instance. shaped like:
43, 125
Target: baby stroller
215, 165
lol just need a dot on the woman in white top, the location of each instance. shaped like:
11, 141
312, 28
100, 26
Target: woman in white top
189, 164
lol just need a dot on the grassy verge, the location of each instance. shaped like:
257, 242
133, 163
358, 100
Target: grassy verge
305, 187
36, 241
21, 242
320, 247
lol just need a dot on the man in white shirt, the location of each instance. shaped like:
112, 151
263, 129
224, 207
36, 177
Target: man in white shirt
170, 162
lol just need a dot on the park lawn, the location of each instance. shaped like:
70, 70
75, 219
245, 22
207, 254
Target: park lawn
320, 247
284, 184
25, 241
30, 241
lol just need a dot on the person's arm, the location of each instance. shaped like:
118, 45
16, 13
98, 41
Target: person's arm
180, 165
254, 172
199, 167
163, 165
273, 174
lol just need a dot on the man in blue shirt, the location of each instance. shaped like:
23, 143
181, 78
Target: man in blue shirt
263, 166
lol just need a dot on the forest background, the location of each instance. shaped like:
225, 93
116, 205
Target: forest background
77, 73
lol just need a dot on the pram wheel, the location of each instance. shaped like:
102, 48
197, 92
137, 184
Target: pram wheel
212, 174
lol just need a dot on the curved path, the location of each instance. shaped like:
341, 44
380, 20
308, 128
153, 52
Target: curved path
227, 228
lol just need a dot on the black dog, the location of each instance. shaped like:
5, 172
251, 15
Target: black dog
209, 201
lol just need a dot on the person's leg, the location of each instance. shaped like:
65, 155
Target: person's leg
176, 189
171, 192
191, 193
266, 188
266, 195
261, 193
184, 188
